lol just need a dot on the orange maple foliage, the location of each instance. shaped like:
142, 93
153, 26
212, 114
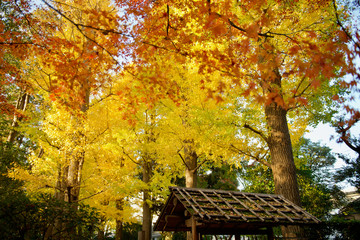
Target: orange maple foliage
245, 40
275, 52
14, 46
78, 40
239, 39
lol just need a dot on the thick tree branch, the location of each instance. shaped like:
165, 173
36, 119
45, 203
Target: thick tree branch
199, 165
126, 154
256, 131
244, 30
350, 145
256, 158
187, 166
345, 138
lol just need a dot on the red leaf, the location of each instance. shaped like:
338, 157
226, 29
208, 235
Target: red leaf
253, 31
335, 97
294, 50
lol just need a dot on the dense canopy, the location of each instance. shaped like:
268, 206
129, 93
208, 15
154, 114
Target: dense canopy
105, 104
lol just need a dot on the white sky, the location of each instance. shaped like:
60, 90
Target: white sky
326, 135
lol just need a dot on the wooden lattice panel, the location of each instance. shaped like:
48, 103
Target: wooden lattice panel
229, 209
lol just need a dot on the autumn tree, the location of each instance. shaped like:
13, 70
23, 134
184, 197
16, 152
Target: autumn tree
145, 144
67, 67
187, 127
145, 147
13, 41
276, 54
70, 56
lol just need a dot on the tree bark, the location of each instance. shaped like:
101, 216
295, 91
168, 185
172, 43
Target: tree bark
146, 224
190, 157
21, 104
119, 223
282, 160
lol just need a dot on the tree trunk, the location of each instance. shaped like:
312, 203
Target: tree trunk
101, 230
119, 223
146, 224
282, 160
148, 161
73, 176
190, 157
190, 160
102, 223
21, 104
119, 230
101, 234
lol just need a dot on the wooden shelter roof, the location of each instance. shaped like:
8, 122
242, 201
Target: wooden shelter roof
227, 211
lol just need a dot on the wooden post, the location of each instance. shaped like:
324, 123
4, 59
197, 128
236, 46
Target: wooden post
193, 229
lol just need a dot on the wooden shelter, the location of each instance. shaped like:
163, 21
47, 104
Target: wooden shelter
218, 212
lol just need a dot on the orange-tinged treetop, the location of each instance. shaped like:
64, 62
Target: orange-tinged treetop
253, 42
72, 43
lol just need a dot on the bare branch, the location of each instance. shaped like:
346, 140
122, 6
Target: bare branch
51, 144
244, 30
168, 20
345, 137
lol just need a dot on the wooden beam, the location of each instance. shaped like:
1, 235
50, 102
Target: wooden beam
194, 233
173, 218
189, 222
235, 232
175, 202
